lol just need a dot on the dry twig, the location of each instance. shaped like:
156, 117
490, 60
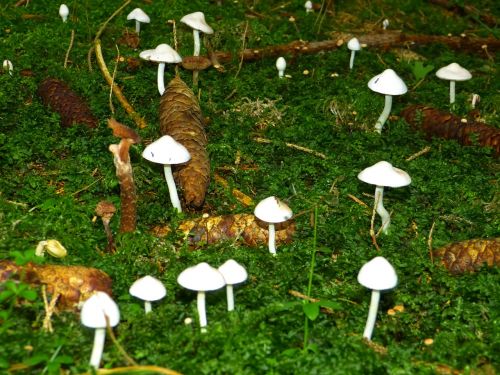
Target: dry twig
71, 40
292, 145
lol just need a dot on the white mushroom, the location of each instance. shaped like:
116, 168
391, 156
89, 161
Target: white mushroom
148, 289
453, 73
389, 84
309, 6
281, 66
384, 174
162, 54
7, 66
377, 275
201, 278
385, 24
272, 211
53, 247
353, 45
64, 12
168, 151
233, 273
97, 312
197, 22
139, 16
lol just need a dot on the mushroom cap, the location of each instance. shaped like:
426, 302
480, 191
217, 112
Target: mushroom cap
138, 15
162, 53
280, 63
197, 21
202, 277
105, 209
148, 288
233, 272
353, 44
63, 10
166, 150
378, 274
272, 210
95, 310
384, 174
388, 83
453, 72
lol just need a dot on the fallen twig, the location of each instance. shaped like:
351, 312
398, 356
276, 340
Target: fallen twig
425, 150
357, 200
429, 242
71, 40
292, 145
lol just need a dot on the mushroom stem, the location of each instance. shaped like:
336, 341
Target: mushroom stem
351, 61
202, 314
272, 239
372, 314
379, 206
197, 46
160, 78
137, 27
452, 92
384, 115
172, 189
99, 336
109, 235
230, 297
147, 307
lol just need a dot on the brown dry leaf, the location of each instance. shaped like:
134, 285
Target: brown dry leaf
60, 98
74, 284
181, 118
470, 255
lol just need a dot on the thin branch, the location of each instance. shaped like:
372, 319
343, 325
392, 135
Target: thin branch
71, 40
292, 145
243, 44
423, 151
429, 242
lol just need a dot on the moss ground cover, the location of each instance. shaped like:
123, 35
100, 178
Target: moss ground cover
52, 178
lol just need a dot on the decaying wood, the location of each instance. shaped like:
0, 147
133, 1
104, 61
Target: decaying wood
470, 255
467, 10
240, 196
121, 159
72, 284
436, 123
56, 95
238, 227
181, 118
385, 40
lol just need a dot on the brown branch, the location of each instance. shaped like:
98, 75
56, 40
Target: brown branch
467, 10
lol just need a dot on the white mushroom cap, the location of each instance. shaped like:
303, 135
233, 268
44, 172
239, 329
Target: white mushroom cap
272, 210
63, 11
97, 308
233, 272
138, 15
384, 174
453, 72
166, 150
388, 83
197, 21
148, 288
201, 278
378, 274
281, 63
162, 53
353, 44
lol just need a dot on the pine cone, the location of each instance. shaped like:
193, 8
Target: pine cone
468, 256
60, 98
181, 118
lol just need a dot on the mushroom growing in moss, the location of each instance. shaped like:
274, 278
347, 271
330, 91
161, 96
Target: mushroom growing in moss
453, 73
272, 211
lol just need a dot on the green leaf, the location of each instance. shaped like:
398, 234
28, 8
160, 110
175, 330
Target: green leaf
28, 294
311, 309
36, 359
330, 304
420, 70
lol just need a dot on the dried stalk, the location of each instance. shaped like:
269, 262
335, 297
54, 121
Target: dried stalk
71, 40
292, 145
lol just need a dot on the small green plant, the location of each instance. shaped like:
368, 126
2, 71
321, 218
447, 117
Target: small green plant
420, 71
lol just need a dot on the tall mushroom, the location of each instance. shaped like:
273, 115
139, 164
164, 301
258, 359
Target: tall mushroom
272, 211
453, 73
201, 278
384, 174
139, 16
162, 54
168, 151
378, 274
234, 273
353, 45
389, 84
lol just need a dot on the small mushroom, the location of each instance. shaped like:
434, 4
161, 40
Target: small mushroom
272, 211
353, 45
384, 174
98, 312
53, 247
201, 278
105, 210
281, 66
64, 12
308, 5
378, 274
234, 273
385, 24
148, 289
139, 16
197, 22
168, 151
7, 66
389, 84
162, 54
453, 73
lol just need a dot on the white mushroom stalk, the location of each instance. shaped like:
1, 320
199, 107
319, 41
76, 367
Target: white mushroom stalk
162, 54
453, 73
377, 275
389, 84
353, 45
272, 211
64, 12
168, 151
380, 209
233, 273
